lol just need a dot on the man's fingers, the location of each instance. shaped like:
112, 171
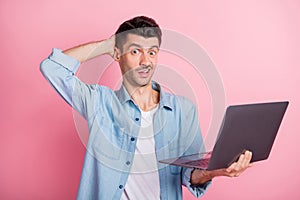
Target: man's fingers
231, 167
247, 159
240, 162
236, 168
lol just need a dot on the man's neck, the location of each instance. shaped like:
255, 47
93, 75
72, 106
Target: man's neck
145, 97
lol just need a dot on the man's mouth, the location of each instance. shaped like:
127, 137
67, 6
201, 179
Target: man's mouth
144, 70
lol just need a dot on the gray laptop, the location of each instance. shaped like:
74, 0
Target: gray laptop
245, 127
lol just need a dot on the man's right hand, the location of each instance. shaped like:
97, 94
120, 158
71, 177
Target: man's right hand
110, 45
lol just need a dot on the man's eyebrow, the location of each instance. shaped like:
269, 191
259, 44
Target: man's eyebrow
141, 47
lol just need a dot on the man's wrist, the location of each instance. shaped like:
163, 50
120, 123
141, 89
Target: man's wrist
199, 176
107, 45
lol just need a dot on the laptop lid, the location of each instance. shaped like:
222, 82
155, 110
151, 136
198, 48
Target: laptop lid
245, 127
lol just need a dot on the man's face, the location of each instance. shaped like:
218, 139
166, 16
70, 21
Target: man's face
138, 59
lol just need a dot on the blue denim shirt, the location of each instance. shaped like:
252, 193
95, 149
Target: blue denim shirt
114, 121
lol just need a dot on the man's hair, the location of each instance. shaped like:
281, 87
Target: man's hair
141, 25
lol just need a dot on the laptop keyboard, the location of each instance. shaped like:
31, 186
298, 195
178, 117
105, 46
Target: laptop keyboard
202, 162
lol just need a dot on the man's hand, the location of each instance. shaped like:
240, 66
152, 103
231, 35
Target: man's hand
234, 170
110, 45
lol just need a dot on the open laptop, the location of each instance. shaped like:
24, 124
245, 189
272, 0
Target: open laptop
250, 127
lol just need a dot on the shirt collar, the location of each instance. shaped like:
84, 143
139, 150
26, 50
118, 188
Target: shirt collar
164, 101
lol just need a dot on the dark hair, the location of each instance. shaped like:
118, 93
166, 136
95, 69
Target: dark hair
141, 25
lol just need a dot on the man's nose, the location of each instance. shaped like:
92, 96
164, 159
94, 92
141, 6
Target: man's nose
145, 60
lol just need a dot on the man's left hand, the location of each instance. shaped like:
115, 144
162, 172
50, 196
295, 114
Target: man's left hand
234, 170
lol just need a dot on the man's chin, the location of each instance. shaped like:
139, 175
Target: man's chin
140, 82
144, 84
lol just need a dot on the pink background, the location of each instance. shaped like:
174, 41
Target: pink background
254, 45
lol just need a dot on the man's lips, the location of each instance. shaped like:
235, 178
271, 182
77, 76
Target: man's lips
144, 70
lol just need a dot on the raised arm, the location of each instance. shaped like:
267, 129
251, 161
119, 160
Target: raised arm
60, 69
91, 50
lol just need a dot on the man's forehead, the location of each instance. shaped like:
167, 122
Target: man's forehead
140, 41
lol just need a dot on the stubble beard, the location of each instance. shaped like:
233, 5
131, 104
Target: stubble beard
134, 79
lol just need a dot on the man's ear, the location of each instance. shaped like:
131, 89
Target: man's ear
117, 54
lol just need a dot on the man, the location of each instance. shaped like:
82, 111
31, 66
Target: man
134, 127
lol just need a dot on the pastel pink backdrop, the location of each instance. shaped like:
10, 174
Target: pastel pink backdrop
254, 45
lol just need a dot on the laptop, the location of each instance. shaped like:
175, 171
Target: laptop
250, 127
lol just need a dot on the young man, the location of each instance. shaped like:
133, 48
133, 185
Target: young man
134, 127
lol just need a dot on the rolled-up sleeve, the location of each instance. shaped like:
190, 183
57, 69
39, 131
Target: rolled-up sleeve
196, 190
59, 69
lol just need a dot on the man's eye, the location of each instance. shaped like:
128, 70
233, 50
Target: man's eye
135, 51
152, 53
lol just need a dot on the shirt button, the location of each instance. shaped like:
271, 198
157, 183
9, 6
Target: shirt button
137, 119
128, 163
132, 139
120, 186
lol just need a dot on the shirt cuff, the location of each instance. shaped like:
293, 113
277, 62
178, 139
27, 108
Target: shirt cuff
62, 59
197, 190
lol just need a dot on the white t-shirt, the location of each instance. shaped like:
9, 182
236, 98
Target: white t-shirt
143, 180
